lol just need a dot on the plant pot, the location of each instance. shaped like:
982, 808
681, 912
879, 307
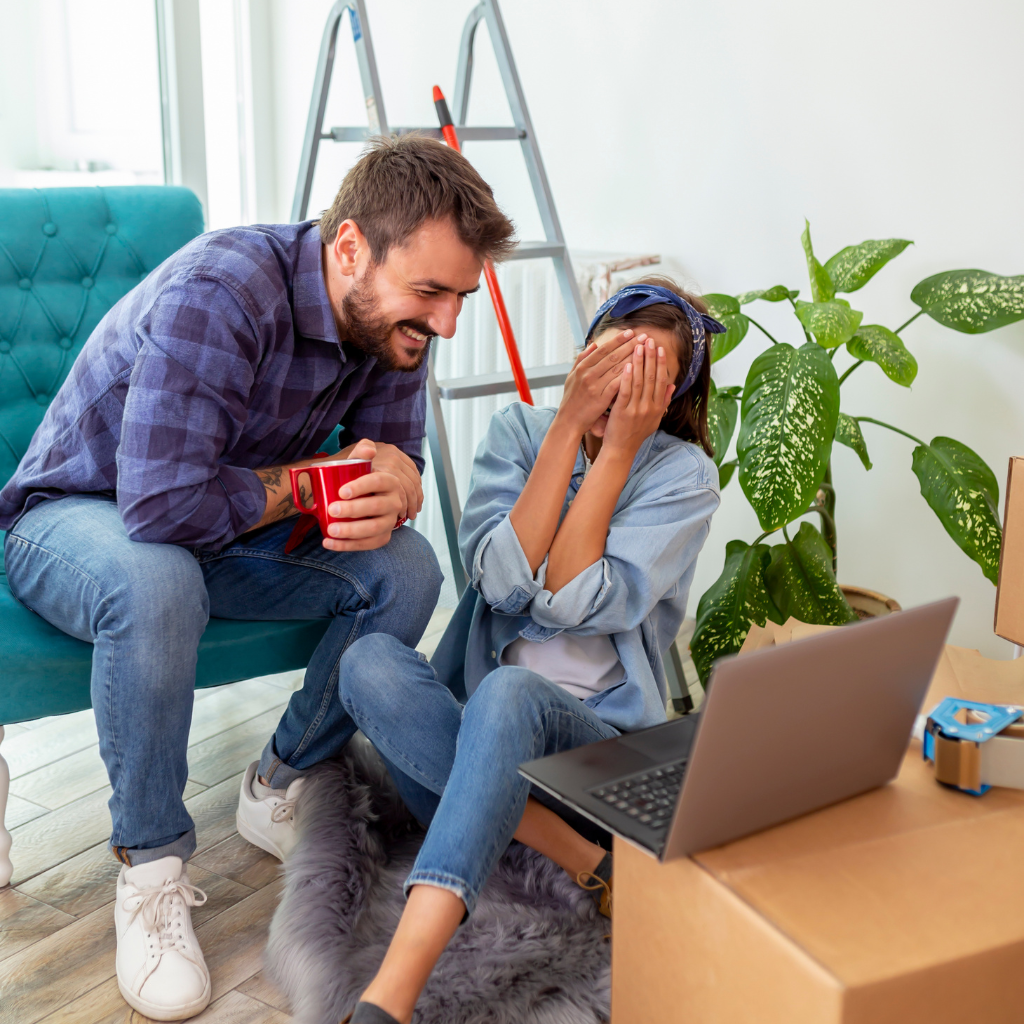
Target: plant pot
869, 604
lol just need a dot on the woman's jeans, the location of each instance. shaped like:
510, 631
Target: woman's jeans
144, 608
455, 767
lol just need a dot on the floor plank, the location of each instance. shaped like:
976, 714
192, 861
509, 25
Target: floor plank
62, 782
58, 835
78, 885
24, 920
221, 894
19, 811
233, 941
230, 706
58, 737
237, 858
237, 1008
259, 987
213, 812
284, 680
231, 751
103, 1004
52, 972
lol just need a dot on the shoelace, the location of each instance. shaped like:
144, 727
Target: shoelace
157, 907
597, 884
284, 811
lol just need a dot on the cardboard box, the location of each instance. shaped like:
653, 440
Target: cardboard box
900, 906
1009, 617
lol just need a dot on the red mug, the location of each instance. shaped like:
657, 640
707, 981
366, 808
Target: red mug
326, 478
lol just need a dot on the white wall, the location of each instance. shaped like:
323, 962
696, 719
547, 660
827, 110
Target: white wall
707, 132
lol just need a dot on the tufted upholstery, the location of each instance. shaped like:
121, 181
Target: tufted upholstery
66, 256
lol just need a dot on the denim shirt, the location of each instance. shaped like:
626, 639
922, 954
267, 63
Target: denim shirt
636, 593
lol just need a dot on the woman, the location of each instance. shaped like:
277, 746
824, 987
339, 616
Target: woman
581, 534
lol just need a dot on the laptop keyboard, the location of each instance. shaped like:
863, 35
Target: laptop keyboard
647, 797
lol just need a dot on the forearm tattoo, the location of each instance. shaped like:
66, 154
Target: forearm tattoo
281, 506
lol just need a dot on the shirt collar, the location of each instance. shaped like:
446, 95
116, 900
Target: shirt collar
314, 317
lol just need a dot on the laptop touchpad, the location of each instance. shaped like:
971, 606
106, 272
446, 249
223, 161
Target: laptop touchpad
663, 743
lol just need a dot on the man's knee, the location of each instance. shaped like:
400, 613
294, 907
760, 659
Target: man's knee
160, 588
415, 565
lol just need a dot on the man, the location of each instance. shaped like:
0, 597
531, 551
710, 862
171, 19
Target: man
169, 447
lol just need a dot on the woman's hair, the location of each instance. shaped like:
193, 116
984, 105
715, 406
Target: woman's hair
687, 415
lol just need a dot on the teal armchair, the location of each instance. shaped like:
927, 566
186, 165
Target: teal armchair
66, 256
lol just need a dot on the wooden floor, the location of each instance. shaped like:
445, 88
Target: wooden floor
57, 919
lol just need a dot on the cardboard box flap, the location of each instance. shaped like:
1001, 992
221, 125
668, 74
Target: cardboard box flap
964, 673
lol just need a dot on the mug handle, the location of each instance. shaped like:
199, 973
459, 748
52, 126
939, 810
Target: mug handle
296, 496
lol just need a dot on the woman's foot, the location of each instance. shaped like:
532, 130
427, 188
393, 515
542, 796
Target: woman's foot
599, 884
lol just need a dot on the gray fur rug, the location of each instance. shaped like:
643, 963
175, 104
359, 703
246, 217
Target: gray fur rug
533, 952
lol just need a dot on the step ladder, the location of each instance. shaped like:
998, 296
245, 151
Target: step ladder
552, 247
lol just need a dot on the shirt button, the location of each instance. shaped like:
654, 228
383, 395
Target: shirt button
494, 654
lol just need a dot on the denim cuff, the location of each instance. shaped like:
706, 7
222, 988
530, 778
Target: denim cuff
574, 603
501, 571
440, 880
274, 770
184, 846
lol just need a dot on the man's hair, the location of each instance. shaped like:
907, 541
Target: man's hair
687, 415
402, 181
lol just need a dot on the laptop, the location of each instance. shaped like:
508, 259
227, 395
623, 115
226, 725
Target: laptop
783, 731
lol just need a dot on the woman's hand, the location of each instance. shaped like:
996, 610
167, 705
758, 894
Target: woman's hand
593, 382
643, 397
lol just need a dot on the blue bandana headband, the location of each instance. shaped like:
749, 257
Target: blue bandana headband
637, 296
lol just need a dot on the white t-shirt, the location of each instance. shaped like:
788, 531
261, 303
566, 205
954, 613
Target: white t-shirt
582, 665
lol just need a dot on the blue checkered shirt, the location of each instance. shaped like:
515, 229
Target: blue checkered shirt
225, 359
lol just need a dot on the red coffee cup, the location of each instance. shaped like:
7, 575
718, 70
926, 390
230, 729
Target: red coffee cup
326, 479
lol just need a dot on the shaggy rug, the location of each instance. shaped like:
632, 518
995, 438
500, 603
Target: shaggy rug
533, 952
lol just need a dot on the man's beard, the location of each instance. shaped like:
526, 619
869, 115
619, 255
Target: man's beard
370, 331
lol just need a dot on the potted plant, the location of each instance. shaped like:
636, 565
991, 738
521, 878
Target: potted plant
789, 417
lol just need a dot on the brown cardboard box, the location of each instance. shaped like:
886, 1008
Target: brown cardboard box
1009, 617
903, 905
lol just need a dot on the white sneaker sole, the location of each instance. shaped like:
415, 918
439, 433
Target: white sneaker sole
248, 833
166, 1012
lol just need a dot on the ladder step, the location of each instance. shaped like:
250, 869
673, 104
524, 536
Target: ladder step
536, 250
466, 134
501, 383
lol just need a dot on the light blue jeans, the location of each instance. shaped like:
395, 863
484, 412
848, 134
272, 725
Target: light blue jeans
144, 608
456, 767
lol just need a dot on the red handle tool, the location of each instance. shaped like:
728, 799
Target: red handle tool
504, 324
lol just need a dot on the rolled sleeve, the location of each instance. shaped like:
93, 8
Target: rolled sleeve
501, 572
579, 600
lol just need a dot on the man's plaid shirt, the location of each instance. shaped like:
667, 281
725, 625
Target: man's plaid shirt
224, 360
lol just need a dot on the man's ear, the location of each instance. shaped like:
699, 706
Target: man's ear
350, 248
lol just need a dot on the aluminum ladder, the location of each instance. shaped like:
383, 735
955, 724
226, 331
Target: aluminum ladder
552, 247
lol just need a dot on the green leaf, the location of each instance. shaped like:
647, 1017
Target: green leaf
726, 610
723, 414
851, 268
831, 323
725, 472
971, 301
822, 289
736, 325
878, 344
777, 293
848, 432
800, 581
963, 492
721, 305
787, 423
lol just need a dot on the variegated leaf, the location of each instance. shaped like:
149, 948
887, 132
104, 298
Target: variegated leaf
851, 268
880, 345
777, 293
725, 473
964, 493
720, 305
723, 414
736, 325
848, 432
822, 288
971, 301
787, 423
801, 583
726, 610
831, 323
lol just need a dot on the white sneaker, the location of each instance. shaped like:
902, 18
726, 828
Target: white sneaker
160, 967
267, 822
